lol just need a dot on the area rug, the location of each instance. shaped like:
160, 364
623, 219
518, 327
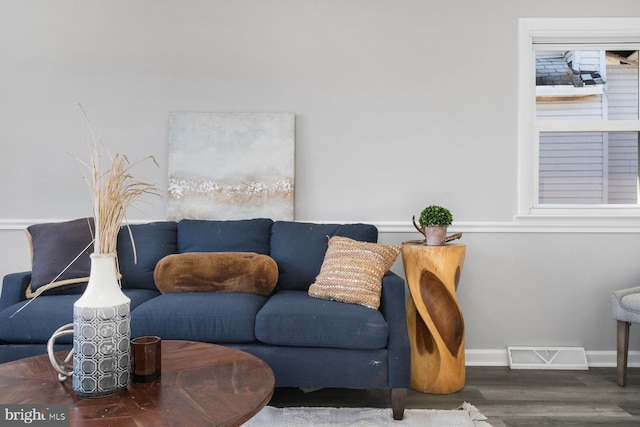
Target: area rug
465, 416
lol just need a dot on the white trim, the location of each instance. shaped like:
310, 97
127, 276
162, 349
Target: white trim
525, 224
593, 30
526, 107
568, 91
606, 359
499, 357
21, 224
587, 125
520, 224
492, 357
577, 224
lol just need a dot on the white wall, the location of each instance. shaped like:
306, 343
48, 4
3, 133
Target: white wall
398, 104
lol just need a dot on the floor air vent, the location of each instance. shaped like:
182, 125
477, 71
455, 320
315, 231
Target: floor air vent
573, 358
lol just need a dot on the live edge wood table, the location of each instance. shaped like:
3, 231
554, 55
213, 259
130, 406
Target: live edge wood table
434, 318
201, 384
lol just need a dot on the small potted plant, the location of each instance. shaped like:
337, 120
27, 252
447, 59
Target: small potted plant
434, 221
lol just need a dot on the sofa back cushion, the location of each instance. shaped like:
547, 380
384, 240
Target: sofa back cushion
245, 235
299, 248
153, 241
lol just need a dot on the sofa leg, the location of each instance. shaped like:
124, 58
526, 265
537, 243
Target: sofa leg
398, 401
623, 351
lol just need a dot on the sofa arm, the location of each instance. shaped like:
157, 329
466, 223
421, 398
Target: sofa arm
14, 286
392, 307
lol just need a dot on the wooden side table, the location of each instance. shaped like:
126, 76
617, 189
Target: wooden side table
434, 318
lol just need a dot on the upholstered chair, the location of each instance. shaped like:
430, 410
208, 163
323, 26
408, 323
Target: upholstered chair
626, 310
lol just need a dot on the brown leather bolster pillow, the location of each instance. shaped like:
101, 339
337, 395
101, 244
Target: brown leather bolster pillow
216, 272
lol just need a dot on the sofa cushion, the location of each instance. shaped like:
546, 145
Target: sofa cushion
352, 271
247, 235
36, 322
60, 256
216, 272
153, 241
293, 318
218, 317
299, 248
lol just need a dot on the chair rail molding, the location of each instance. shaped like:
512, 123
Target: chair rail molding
520, 224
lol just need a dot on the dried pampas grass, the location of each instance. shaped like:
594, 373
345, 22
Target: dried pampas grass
113, 190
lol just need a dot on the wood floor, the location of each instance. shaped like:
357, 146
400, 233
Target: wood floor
511, 398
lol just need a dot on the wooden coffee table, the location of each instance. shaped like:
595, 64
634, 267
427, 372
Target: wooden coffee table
201, 384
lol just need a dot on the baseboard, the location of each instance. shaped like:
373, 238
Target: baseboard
598, 359
500, 357
495, 357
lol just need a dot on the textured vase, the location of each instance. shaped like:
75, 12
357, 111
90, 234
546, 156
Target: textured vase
101, 332
435, 236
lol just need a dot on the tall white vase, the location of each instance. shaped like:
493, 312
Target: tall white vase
101, 332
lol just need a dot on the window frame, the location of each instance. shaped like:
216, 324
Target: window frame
559, 33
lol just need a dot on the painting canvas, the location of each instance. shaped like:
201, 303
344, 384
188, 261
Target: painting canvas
225, 166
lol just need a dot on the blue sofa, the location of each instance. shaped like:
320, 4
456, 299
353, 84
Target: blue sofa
308, 342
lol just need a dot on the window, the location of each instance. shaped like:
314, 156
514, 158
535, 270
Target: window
579, 117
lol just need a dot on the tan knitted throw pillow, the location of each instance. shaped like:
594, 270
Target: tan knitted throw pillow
352, 271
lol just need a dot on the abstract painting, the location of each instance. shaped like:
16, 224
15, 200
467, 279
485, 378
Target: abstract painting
225, 166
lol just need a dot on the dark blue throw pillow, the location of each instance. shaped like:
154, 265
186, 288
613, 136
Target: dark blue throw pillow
60, 261
153, 241
299, 248
245, 235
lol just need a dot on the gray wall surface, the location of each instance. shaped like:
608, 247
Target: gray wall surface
399, 104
